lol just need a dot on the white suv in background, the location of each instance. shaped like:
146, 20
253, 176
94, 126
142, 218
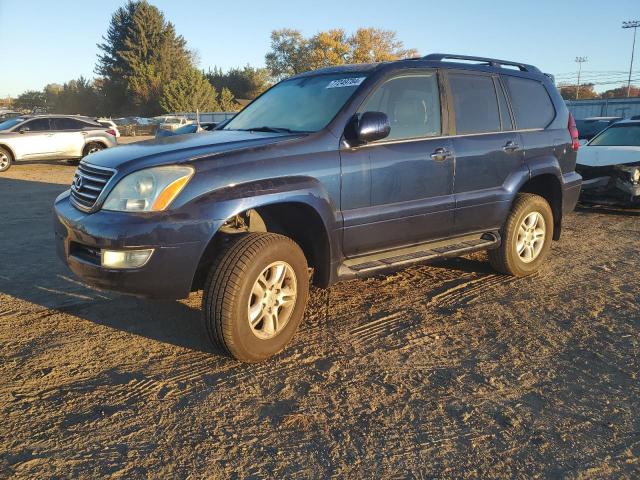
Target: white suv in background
51, 137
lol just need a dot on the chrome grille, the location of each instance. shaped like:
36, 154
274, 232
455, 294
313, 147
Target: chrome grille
88, 183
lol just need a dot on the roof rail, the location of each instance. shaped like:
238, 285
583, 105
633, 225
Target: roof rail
493, 62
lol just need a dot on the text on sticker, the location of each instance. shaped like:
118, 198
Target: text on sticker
346, 82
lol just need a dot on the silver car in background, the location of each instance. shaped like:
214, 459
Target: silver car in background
51, 137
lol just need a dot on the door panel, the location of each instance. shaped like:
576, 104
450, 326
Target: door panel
410, 196
485, 173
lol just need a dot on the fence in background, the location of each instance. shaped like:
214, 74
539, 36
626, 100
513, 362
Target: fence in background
605, 107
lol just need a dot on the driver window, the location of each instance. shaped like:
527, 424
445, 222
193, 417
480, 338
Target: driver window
38, 125
411, 102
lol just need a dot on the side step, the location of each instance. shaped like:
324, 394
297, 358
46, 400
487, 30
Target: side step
392, 259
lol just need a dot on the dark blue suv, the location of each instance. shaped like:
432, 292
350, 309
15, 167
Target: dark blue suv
329, 175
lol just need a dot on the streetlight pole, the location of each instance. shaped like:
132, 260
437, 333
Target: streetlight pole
631, 24
579, 61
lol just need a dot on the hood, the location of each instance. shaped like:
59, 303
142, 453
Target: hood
597, 156
178, 148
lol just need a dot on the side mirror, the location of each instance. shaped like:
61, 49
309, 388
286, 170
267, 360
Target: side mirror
583, 142
369, 127
24, 130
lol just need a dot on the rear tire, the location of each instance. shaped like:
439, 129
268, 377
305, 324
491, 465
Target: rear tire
92, 147
255, 296
6, 159
526, 237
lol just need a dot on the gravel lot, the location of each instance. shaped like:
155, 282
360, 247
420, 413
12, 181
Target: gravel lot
447, 370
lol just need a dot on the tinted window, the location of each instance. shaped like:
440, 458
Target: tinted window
38, 125
475, 103
531, 103
412, 104
505, 116
67, 124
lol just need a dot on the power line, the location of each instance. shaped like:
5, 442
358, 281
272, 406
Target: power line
579, 61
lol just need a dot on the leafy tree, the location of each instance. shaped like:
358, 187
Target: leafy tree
191, 91
377, 45
30, 100
621, 92
568, 92
226, 102
245, 83
291, 53
141, 54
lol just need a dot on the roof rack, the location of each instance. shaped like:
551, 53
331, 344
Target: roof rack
492, 62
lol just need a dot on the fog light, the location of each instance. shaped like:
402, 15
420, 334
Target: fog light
125, 258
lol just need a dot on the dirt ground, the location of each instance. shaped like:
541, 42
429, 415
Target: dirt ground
447, 370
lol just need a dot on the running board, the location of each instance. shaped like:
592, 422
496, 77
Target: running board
424, 252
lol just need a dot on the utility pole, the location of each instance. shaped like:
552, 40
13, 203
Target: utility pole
579, 61
631, 24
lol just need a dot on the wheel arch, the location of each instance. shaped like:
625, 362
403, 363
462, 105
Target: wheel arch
305, 216
549, 187
10, 150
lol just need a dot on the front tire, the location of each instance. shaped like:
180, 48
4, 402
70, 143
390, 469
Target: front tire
6, 159
92, 147
255, 296
526, 237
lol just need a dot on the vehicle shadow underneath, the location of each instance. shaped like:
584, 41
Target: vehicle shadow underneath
31, 271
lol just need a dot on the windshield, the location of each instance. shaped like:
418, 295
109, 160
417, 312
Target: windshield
619, 135
12, 122
304, 104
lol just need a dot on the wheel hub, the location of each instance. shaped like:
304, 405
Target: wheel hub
272, 300
531, 237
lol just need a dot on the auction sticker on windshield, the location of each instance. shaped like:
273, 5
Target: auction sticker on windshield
346, 82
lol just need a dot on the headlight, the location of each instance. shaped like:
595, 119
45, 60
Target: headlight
149, 190
634, 173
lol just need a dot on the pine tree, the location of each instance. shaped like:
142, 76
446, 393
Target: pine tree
191, 91
226, 102
141, 54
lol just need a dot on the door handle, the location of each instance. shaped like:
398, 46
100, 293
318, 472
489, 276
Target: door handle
441, 154
511, 146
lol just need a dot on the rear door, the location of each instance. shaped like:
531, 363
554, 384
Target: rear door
488, 151
398, 191
69, 136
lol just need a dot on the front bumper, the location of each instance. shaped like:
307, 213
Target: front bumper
178, 242
608, 185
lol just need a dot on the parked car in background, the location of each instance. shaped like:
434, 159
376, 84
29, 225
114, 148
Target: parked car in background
331, 174
590, 127
610, 165
191, 128
51, 137
135, 126
107, 122
171, 122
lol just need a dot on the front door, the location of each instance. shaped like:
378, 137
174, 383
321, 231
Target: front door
398, 191
35, 140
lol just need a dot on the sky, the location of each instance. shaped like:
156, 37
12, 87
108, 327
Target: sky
44, 41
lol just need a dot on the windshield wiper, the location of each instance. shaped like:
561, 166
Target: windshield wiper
273, 129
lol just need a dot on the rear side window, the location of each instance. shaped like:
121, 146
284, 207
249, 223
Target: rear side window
531, 103
67, 124
412, 103
475, 103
